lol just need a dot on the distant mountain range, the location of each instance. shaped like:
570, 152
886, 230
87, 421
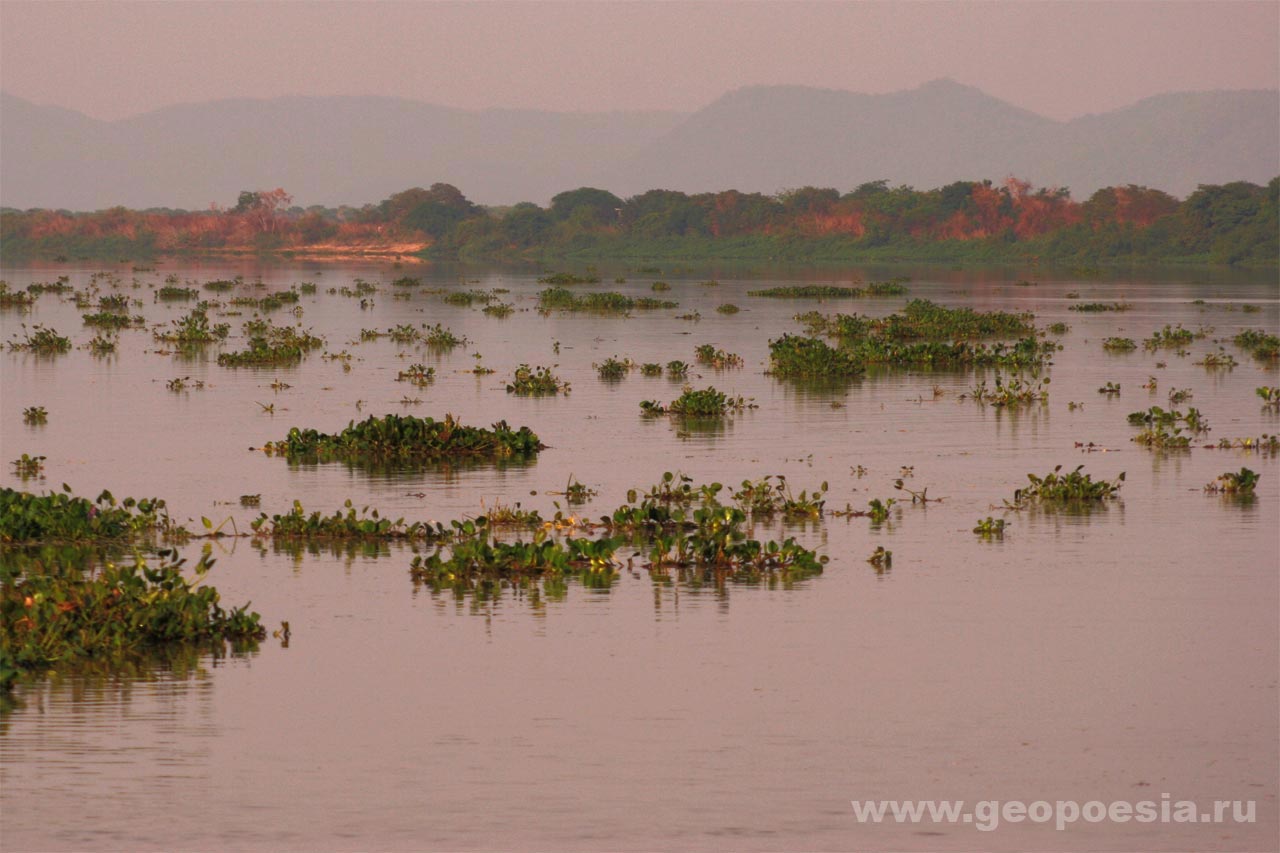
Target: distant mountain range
353, 150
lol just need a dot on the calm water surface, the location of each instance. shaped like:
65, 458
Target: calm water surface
1115, 655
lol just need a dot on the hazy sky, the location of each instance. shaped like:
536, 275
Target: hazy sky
114, 59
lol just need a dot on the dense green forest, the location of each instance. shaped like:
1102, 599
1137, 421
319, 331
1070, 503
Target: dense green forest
967, 221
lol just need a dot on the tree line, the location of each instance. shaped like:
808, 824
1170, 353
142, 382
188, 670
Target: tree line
1234, 223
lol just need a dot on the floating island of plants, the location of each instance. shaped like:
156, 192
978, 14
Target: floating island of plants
892, 287
609, 302
924, 334
408, 438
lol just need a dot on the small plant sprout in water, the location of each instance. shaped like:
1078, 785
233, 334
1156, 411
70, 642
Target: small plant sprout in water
717, 358
35, 415
990, 528
576, 492
677, 369
877, 510
920, 497
1270, 397
417, 374
881, 559
1243, 482
1110, 388
183, 383
1220, 360
1016, 392
26, 466
536, 382
651, 369
614, 368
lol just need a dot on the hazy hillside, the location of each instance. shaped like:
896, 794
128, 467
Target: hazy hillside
354, 150
340, 150
767, 138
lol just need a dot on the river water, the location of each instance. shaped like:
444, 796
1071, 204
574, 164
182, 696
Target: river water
1116, 655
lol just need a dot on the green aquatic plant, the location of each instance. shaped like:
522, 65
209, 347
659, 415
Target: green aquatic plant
1119, 345
772, 495
1058, 488
659, 287
59, 617
717, 358
478, 557
1264, 443
437, 337
1013, 393
182, 383
562, 278
63, 517
500, 310
41, 340
1171, 336
16, 298
559, 298
1057, 328
35, 415
1179, 395
727, 308
705, 403
1100, 306
405, 333
466, 298
677, 369
794, 356
113, 302
408, 438
1260, 344
171, 293
1110, 388
613, 368
111, 320
417, 374
1243, 482
830, 291
576, 492
650, 368
990, 528
536, 382
1218, 360
194, 328
881, 559
276, 345
1270, 396
345, 523
26, 466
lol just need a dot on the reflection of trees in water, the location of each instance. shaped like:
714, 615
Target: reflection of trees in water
405, 470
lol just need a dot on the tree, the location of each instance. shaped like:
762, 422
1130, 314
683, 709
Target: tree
587, 206
261, 207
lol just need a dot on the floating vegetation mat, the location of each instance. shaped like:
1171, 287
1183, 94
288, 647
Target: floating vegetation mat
408, 438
